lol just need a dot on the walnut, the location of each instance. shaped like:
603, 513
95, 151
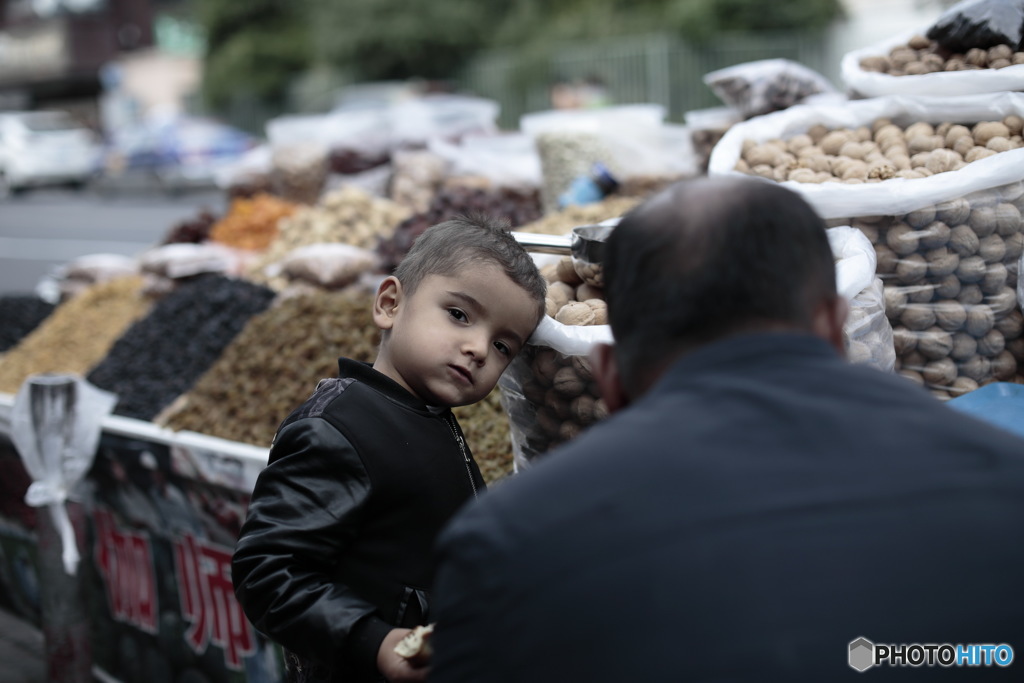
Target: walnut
963, 241
582, 367
834, 140
950, 314
970, 295
963, 145
802, 175
948, 287
918, 317
1014, 123
934, 343
971, 269
879, 63
582, 409
568, 431
995, 279
545, 365
914, 267
567, 382
942, 160
940, 372
575, 313
600, 309
817, 133
567, 272
999, 144
886, 258
978, 153
953, 212
914, 361
557, 404
799, 142
1011, 325
977, 368
992, 249
902, 239
560, 293
1014, 246
920, 218
925, 143
1004, 366
961, 386
913, 376
956, 132
983, 220
980, 319
904, 340
1007, 219
857, 150
1002, 302
895, 302
585, 291
766, 153
1002, 51
942, 261
919, 129
964, 346
920, 294
992, 344
986, 130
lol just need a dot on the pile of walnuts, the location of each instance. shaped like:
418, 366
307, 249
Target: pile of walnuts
924, 56
878, 152
556, 396
950, 273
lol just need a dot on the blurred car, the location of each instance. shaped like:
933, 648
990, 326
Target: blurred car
45, 148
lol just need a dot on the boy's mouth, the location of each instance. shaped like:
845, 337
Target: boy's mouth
462, 372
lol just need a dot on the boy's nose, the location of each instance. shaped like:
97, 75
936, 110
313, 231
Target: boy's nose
475, 346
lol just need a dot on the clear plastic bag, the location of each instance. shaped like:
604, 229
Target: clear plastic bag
330, 266
767, 85
948, 246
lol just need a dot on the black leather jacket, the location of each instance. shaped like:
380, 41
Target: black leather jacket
336, 547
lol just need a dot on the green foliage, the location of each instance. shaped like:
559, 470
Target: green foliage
703, 19
254, 47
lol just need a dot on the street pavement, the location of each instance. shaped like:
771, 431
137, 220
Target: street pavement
22, 652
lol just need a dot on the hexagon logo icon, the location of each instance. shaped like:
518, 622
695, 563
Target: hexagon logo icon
862, 654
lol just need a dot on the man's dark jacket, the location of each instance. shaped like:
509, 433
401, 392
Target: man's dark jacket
335, 550
761, 508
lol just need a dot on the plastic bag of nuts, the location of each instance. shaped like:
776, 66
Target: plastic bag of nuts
948, 245
550, 394
910, 64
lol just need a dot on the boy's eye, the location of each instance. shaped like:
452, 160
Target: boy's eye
457, 314
503, 348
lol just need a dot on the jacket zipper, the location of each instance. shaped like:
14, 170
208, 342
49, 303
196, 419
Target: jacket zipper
462, 447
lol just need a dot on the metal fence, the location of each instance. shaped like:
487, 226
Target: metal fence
658, 69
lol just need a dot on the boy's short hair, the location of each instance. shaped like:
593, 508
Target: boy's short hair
445, 248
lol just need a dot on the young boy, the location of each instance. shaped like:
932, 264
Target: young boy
334, 558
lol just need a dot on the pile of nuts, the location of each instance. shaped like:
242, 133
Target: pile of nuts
878, 152
950, 274
21, 314
252, 223
552, 397
347, 215
416, 177
78, 334
924, 56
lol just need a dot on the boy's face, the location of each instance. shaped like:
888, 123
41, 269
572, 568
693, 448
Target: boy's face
450, 341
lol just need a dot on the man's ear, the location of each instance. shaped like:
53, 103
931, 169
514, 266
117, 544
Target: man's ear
385, 306
605, 370
829, 320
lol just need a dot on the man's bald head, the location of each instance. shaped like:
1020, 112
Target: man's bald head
711, 257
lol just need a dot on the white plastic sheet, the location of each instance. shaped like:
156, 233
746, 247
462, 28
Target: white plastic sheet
56, 422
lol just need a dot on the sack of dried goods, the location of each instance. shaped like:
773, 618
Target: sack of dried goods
937, 185
912, 63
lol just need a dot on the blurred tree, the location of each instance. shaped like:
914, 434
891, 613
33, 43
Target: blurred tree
254, 47
397, 39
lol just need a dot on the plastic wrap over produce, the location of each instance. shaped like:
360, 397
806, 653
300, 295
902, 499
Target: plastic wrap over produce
550, 394
946, 228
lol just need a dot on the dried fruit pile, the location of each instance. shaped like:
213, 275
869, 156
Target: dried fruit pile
252, 223
161, 355
78, 334
20, 313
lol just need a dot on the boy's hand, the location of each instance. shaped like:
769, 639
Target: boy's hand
396, 668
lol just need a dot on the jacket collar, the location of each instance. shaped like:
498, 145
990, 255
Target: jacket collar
383, 384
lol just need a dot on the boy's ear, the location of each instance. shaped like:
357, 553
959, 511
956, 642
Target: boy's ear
385, 306
606, 373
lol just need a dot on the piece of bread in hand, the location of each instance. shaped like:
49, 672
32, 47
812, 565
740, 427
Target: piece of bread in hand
415, 646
